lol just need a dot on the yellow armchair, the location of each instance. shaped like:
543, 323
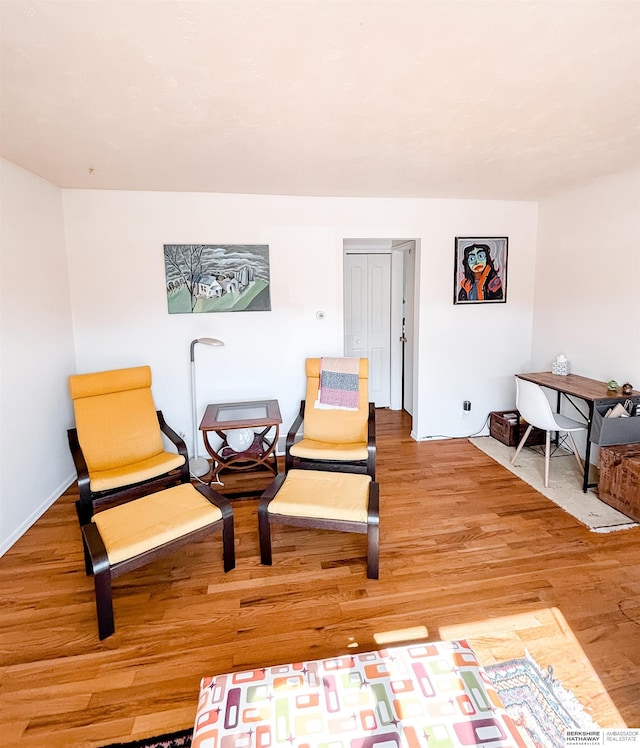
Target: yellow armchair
117, 443
335, 439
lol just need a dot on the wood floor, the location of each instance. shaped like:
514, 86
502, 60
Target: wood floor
467, 550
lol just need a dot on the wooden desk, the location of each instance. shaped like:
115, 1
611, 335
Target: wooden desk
591, 391
221, 417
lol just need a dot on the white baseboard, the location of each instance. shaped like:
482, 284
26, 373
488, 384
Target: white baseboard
6, 543
437, 437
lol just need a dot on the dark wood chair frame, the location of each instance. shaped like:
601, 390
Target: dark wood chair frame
368, 466
371, 529
89, 499
97, 561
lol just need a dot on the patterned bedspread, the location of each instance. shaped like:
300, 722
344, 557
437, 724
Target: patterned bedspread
434, 695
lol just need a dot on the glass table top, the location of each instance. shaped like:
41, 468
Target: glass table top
242, 413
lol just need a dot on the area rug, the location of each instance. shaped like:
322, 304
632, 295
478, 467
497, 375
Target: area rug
565, 483
181, 739
537, 702
539, 705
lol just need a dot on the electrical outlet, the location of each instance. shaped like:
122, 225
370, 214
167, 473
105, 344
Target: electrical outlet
466, 408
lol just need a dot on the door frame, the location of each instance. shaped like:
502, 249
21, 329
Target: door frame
397, 248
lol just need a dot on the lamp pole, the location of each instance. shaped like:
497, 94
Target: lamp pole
198, 466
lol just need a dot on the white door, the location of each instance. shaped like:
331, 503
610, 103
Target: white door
367, 305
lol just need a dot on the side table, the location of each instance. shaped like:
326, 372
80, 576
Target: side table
255, 414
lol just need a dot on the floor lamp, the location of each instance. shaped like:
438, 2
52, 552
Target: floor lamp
198, 466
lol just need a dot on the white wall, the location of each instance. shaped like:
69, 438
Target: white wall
36, 351
115, 249
472, 352
587, 297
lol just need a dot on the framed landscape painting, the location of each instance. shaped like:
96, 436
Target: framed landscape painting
480, 270
217, 278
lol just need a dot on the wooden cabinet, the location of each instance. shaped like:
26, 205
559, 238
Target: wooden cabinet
619, 482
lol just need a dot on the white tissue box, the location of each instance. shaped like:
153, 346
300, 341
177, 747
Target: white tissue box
560, 367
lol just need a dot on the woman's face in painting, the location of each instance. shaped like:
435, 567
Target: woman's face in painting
477, 260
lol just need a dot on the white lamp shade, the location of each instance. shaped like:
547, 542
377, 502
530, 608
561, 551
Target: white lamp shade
240, 439
209, 341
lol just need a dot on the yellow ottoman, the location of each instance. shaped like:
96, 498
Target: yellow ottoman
131, 535
348, 502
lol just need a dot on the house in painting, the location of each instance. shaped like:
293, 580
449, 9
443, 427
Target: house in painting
208, 287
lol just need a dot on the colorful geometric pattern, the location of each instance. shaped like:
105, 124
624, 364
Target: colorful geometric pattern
430, 695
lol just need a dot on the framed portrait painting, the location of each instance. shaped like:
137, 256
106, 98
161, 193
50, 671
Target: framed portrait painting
480, 270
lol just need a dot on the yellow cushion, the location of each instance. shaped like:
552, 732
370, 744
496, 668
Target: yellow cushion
312, 450
336, 426
131, 529
103, 382
116, 418
323, 495
126, 475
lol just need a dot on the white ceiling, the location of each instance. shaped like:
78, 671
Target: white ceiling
507, 99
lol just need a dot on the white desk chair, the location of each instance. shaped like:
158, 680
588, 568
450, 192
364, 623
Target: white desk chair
534, 407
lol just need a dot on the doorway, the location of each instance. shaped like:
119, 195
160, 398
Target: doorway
379, 281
